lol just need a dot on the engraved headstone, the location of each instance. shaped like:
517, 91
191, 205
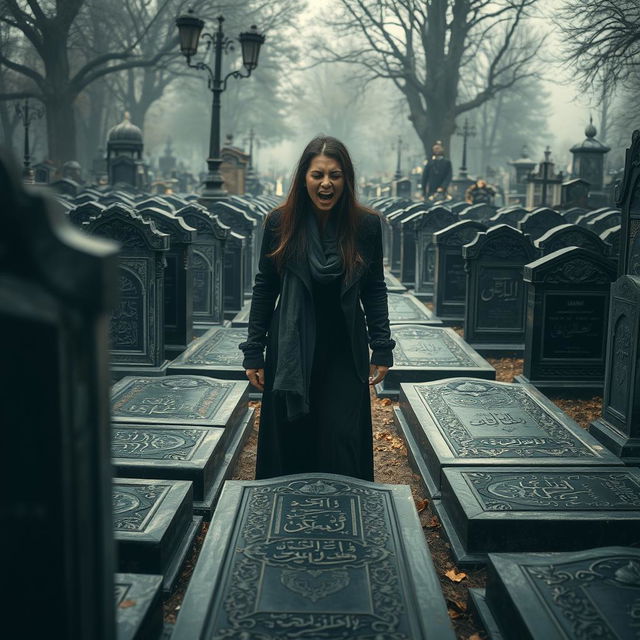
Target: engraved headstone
314, 556
393, 284
571, 235
153, 526
488, 510
84, 212
628, 200
178, 281
179, 400
567, 318
619, 426
571, 215
137, 327
466, 422
203, 455
423, 354
408, 243
481, 212
405, 308
234, 291
155, 202
425, 226
604, 221
207, 266
511, 216
394, 217
584, 594
612, 238
138, 599
57, 288
538, 222
450, 282
494, 320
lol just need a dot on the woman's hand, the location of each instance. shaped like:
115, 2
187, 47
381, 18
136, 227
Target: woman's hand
256, 378
377, 372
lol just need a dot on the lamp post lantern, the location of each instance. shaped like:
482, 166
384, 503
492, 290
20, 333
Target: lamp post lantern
28, 114
190, 30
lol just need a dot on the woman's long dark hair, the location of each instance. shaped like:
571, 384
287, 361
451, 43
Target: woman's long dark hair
291, 228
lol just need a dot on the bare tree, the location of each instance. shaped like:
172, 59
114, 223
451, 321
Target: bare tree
52, 29
433, 49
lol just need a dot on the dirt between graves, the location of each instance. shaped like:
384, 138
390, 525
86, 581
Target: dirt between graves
392, 466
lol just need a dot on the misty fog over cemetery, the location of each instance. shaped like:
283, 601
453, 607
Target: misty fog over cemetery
148, 149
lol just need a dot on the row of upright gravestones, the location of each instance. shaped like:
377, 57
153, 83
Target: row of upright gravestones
314, 556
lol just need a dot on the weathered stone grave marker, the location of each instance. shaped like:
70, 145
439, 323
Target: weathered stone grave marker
571, 235
393, 284
138, 599
405, 308
538, 222
423, 354
567, 320
314, 556
466, 422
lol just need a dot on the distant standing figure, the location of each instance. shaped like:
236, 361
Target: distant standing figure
480, 193
321, 258
437, 173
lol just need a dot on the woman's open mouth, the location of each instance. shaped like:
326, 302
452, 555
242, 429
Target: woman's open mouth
325, 196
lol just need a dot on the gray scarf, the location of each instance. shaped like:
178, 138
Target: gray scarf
297, 326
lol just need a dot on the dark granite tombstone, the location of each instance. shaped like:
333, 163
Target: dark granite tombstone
314, 556
405, 308
154, 526
612, 238
466, 422
407, 274
207, 267
450, 281
425, 226
395, 218
204, 455
155, 202
619, 426
214, 354
178, 281
538, 222
549, 596
116, 196
65, 186
604, 221
138, 599
494, 319
423, 354
84, 212
567, 314
393, 284
179, 400
234, 252
241, 319
57, 288
574, 193
571, 235
137, 329
459, 207
481, 212
628, 200
584, 219
511, 216
571, 215
486, 510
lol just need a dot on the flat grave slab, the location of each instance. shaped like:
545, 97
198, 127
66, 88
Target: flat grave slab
153, 526
393, 284
513, 509
424, 354
468, 422
203, 455
179, 400
213, 354
138, 599
560, 596
314, 556
405, 308
241, 319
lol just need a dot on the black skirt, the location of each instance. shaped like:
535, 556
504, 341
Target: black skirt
336, 435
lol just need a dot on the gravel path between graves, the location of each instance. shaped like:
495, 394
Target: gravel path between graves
392, 466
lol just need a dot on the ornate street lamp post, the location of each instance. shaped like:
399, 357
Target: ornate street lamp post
28, 114
190, 29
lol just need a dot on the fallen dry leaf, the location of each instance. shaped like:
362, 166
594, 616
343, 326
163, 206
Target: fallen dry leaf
455, 577
433, 523
125, 604
475, 636
421, 505
453, 614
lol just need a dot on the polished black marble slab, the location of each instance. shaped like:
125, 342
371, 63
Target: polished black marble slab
515, 509
405, 308
179, 400
562, 596
424, 353
153, 526
203, 455
314, 556
214, 354
466, 422
138, 599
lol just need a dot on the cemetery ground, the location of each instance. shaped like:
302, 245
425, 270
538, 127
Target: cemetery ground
392, 466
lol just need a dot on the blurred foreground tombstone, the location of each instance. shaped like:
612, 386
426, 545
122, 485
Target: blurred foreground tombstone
56, 290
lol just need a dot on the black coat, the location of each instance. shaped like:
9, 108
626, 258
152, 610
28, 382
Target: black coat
365, 295
436, 175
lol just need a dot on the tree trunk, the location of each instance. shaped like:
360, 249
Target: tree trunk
61, 127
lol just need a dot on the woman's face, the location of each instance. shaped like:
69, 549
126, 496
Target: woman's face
325, 182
